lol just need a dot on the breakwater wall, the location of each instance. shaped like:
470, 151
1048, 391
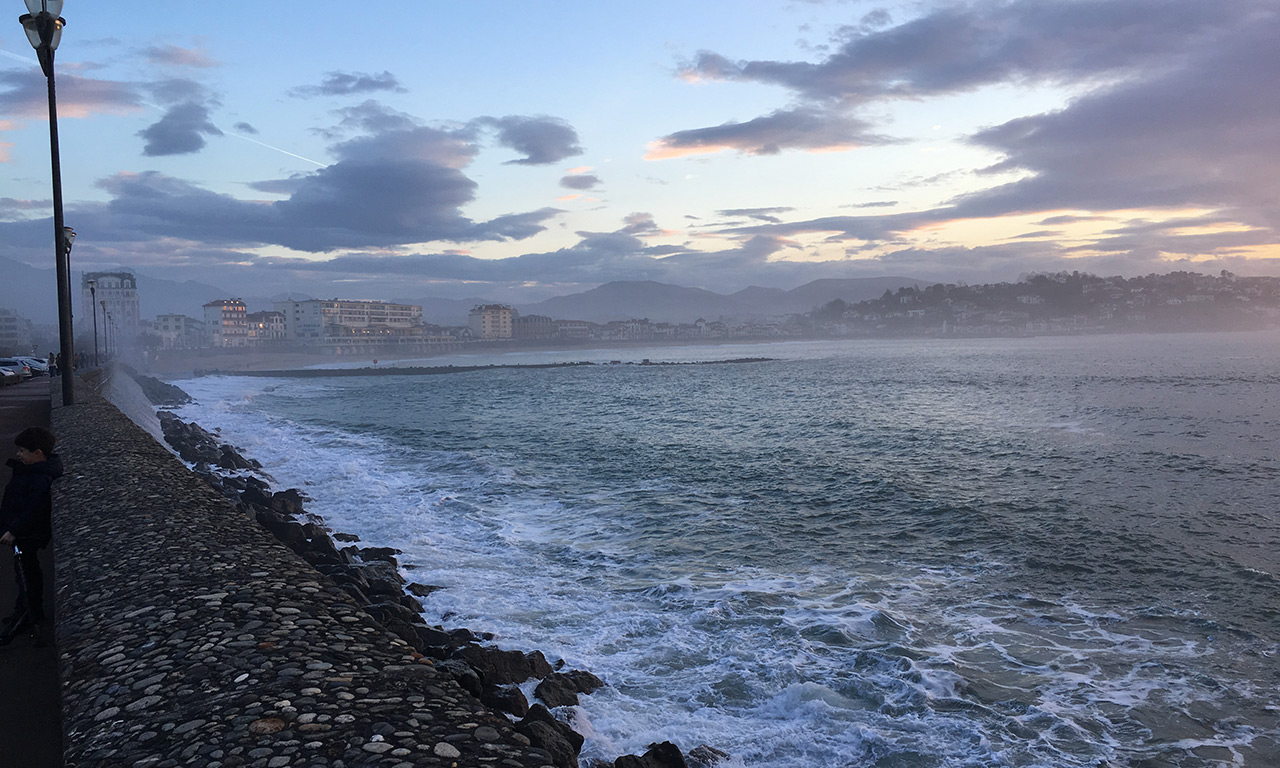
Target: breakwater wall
187, 635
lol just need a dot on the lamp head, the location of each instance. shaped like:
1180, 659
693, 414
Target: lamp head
44, 24
68, 237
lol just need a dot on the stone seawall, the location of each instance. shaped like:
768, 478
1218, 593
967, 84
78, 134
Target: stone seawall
187, 635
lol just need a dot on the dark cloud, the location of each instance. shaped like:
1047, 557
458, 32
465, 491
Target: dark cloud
760, 214
176, 56
954, 49
246, 128
802, 128
181, 131
542, 140
1200, 135
580, 181
24, 93
962, 47
383, 190
180, 90
349, 83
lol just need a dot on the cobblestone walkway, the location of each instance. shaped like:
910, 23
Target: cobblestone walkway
188, 636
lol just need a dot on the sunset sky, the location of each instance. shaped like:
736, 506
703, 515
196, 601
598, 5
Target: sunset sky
516, 151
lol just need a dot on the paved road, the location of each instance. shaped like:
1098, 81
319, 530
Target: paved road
30, 704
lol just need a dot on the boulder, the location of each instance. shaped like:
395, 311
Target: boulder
561, 689
498, 667
506, 698
703, 756
546, 732
664, 755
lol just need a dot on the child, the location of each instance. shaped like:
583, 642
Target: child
26, 521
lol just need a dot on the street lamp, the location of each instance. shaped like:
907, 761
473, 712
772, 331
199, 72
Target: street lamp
43, 26
93, 304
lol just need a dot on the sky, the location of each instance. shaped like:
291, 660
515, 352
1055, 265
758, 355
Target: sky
516, 151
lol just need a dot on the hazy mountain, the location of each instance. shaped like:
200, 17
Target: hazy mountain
627, 299
812, 295
32, 292
624, 300
445, 311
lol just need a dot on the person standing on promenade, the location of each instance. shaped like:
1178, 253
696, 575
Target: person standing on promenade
26, 518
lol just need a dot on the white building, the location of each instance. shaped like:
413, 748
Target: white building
15, 333
491, 321
265, 327
339, 322
179, 331
225, 323
110, 297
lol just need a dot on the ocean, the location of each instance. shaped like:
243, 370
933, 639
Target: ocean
895, 554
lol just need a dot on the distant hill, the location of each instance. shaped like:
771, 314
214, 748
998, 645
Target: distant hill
624, 300
32, 292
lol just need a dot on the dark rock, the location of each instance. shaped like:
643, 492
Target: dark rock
422, 590
507, 698
254, 494
287, 502
664, 755
388, 611
497, 667
545, 731
462, 672
346, 538
703, 756
160, 392
385, 554
561, 689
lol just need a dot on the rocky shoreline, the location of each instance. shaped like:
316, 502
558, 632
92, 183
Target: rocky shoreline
371, 577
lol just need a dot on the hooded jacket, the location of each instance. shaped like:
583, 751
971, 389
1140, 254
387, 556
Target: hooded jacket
27, 509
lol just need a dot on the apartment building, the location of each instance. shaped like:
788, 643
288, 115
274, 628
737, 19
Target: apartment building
492, 321
226, 323
110, 297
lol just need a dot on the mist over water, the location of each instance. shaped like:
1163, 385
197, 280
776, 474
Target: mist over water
1040, 552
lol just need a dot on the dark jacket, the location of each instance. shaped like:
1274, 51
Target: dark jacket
27, 509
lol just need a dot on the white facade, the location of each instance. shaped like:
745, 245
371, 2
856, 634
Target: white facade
331, 321
225, 323
179, 331
491, 321
109, 298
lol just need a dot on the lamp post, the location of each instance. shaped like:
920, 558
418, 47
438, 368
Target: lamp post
93, 304
43, 26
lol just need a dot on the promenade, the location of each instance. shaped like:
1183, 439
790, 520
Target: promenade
30, 721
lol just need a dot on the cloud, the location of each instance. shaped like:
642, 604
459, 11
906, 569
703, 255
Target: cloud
1200, 135
542, 140
949, 50
181, 131
580, 181
349, 83
760, 214
24, 94
246, 128
176, 56
384, 189
803, 128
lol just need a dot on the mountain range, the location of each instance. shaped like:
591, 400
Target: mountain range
31, 292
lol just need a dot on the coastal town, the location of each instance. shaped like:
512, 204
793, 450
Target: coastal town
1043, 304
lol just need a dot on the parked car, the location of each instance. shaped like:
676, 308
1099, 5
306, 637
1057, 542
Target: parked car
16, 365
9, 376
38, 367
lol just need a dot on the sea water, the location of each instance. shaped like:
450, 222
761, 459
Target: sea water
903, 554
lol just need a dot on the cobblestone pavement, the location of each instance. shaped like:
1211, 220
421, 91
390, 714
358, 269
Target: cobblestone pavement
188, 636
